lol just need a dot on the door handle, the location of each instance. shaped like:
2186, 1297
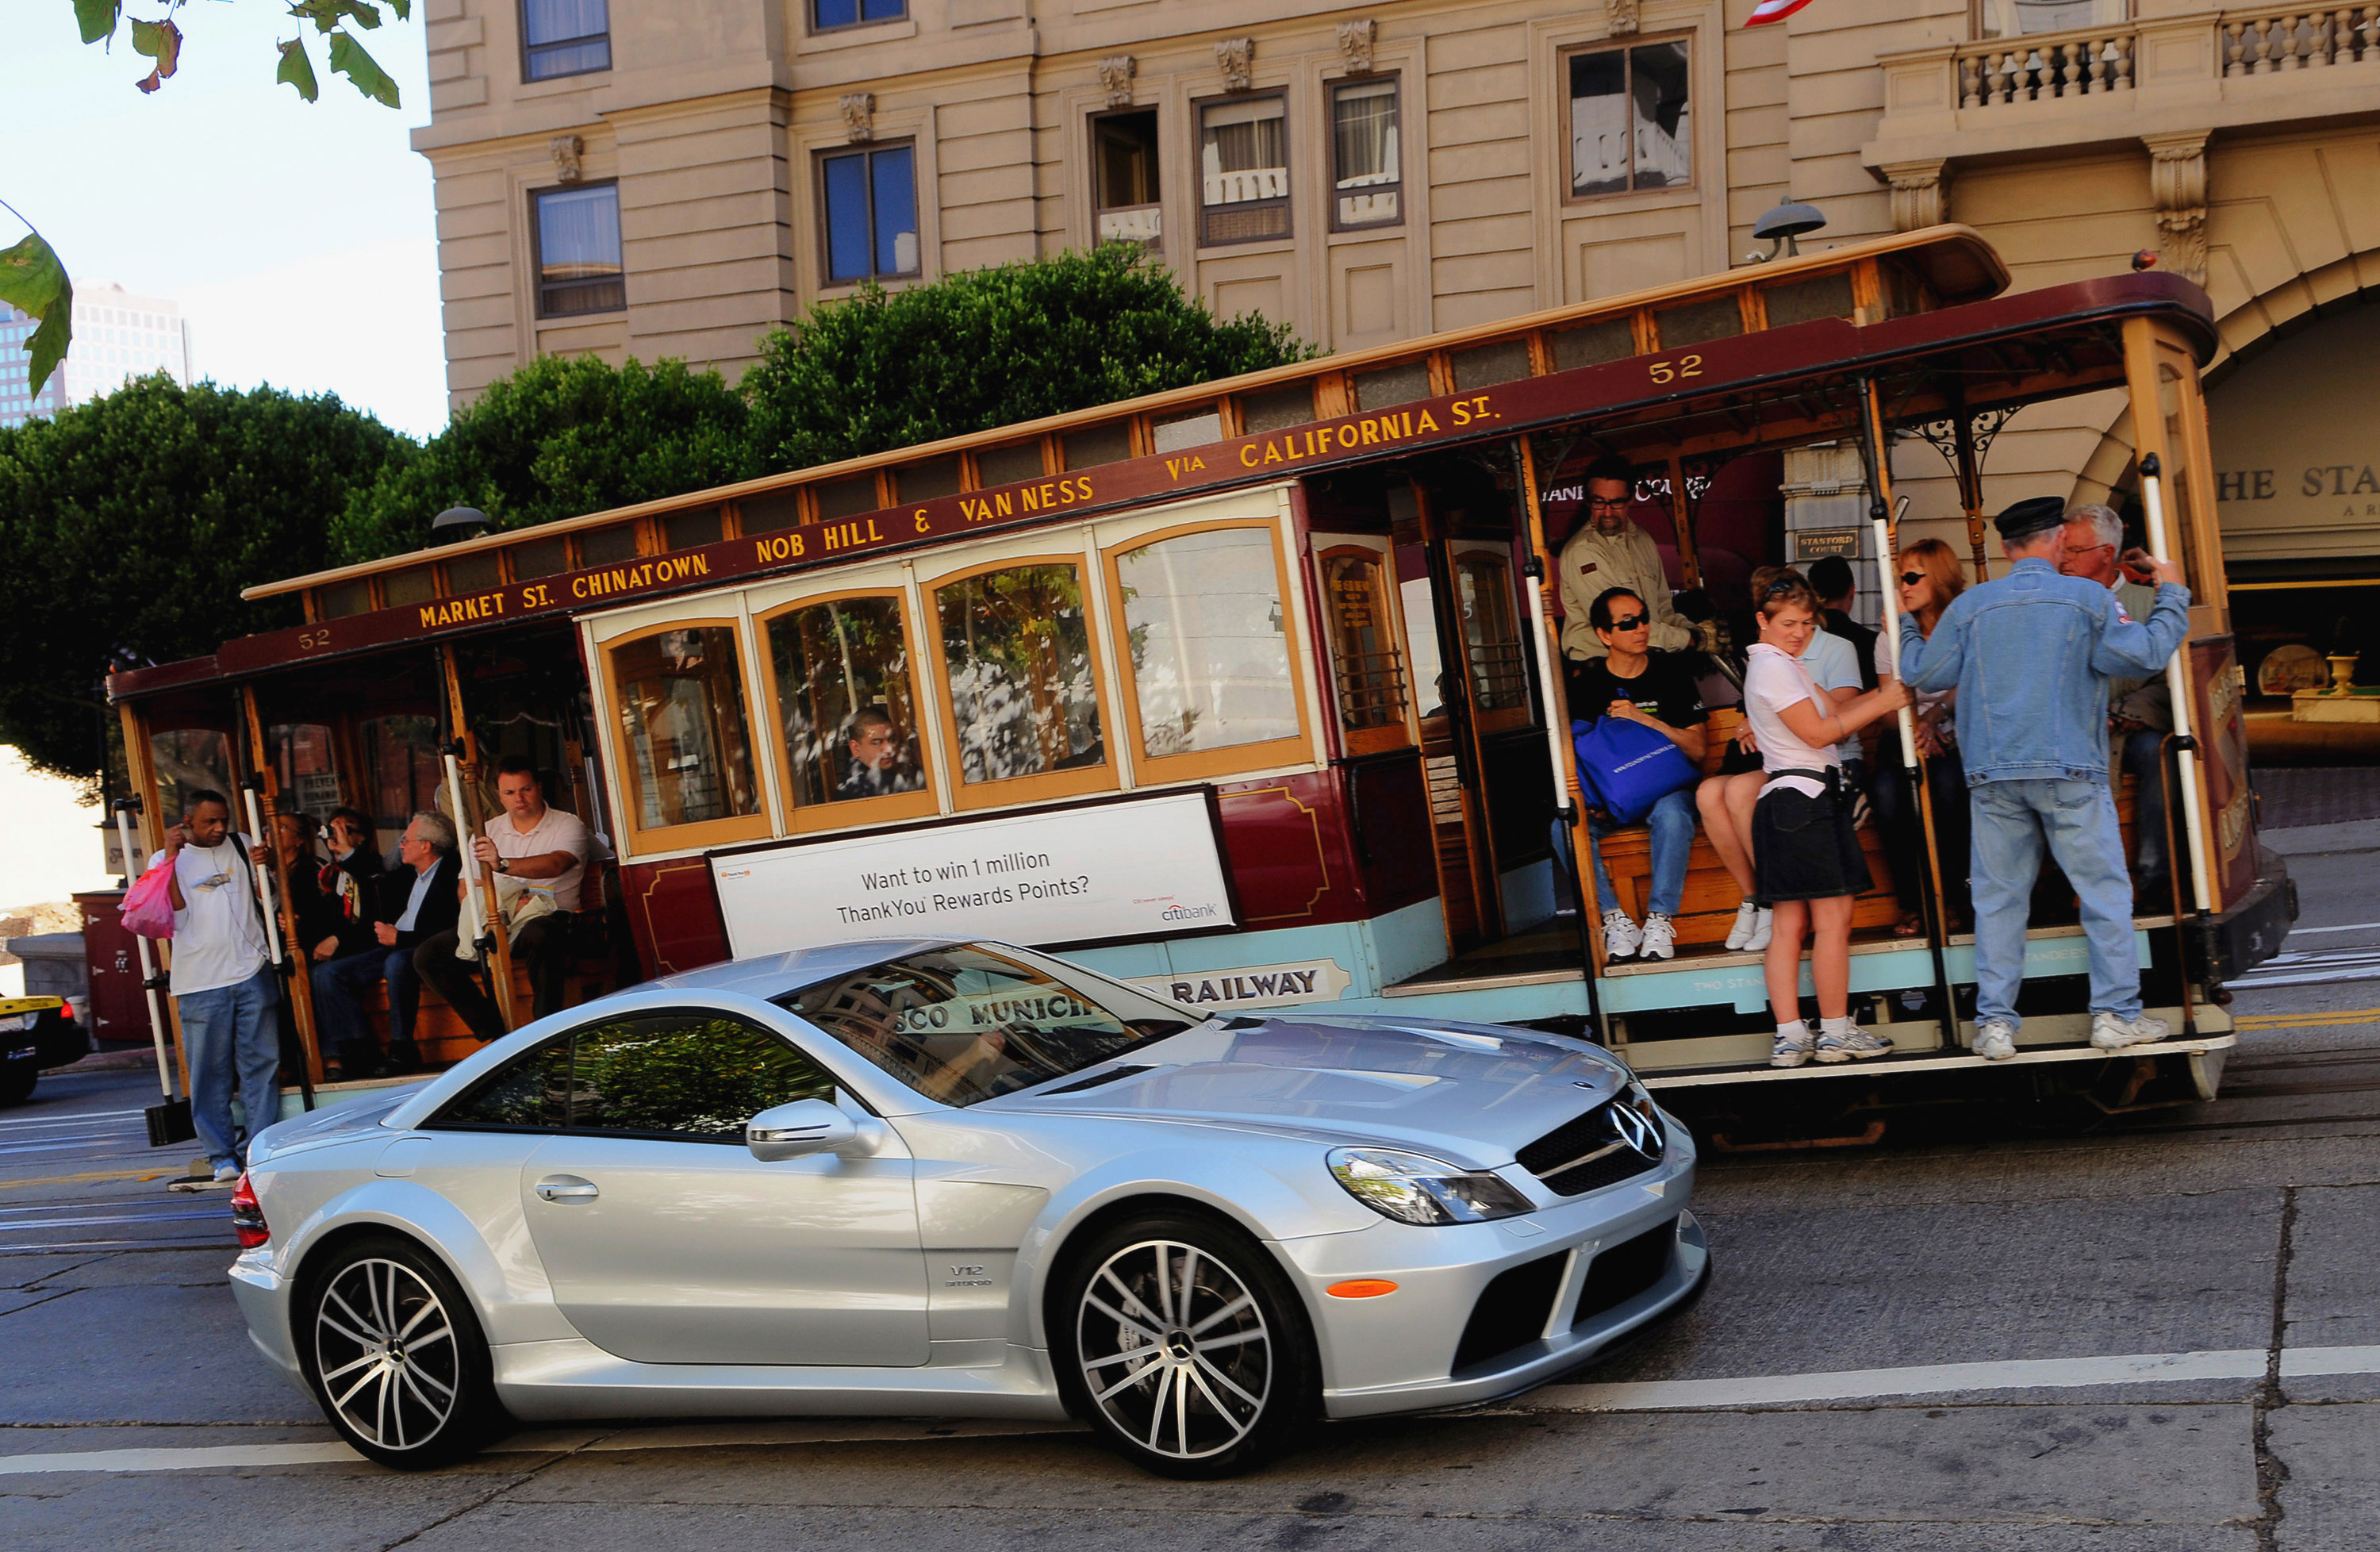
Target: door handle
566, 1188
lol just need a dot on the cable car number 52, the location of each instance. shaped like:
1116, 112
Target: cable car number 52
1669, 371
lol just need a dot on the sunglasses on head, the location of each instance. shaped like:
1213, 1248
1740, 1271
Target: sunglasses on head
1783, 586
1911, 578
1627, 622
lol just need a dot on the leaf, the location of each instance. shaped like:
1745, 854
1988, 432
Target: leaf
296, 70
349, 58
31, 277
97, 17
326, 15
161, 41
404, 9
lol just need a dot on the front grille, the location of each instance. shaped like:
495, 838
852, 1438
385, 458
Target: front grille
1625, 1270
1590, 1153
1512, 1311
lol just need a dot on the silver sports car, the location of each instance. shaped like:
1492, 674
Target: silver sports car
962, 1178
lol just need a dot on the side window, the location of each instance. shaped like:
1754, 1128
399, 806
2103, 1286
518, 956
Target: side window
695, 1075
1023, 694
1207, 640
1124, 176
1368, 668
565, 38
530, 1093
1365, 154
1244, 169
1631, 126
871, 197
845, 708
680, 698
1500, 679
579, 263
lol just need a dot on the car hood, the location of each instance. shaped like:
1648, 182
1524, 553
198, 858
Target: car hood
1476, 1092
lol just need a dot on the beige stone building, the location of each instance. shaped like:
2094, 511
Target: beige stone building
674, 179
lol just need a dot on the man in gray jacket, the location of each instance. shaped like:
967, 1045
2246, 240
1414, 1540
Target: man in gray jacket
1609, 550
2031, 653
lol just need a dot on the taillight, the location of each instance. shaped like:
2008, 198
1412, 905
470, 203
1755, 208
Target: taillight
248, 1216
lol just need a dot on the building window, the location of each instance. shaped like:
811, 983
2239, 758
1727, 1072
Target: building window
2018, 18
1629, 127
1366, 162
1124, 171
826, 15
565, 38
871, 213
1244, 170
578, 251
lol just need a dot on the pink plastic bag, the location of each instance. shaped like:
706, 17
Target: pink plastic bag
149, 904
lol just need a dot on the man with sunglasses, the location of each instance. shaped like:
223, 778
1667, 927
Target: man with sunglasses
1639, 681
1609, 550
2140, 710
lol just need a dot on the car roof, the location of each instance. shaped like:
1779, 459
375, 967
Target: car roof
768, 976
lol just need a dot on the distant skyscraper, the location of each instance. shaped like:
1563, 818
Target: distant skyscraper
117, 335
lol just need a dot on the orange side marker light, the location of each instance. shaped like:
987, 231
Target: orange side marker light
1361, 1288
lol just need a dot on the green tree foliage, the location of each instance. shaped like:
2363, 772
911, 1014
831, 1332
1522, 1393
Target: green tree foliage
990, 347
161, 41
133, 522
563, 436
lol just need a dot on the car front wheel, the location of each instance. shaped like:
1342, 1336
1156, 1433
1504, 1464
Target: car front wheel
1182, 1344
394, 1355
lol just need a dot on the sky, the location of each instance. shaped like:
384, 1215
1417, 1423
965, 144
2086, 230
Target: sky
299, 239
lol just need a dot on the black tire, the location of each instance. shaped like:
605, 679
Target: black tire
1179, 1340
427, 1397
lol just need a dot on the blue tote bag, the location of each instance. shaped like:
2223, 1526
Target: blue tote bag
1626, 767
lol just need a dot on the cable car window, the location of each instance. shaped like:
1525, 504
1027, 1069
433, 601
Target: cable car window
1207, 640
691, 530
1483, 587
1017, 651
188, 760
1366, 662
681, 706
845, 708
402, 768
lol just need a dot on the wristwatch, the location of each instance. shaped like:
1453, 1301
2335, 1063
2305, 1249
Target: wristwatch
503, 865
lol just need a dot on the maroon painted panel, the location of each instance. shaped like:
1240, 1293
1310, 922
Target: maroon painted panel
1767, 359
674, 915
1391, 829
120, 1008
1285, 838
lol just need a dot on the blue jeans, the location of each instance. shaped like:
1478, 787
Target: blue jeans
233, 1034
2143, 756
1672, 824
2077, 819
340, 986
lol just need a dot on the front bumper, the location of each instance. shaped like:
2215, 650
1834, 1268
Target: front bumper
1398, 1352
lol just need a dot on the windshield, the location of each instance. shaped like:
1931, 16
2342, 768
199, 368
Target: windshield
965, 1023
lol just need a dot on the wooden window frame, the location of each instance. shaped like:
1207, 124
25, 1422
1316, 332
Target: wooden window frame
1009, 792
1503, 718
1569, 196
701, 833
1206, 764
1406, 732
861, 812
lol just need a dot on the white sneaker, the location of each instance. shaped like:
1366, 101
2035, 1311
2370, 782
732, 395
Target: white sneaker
1621, 938
1747, 918
1660, 937
2110, 1033
226, 1174
1994, 1041
1849, 1044
1762, 929
1792, 1047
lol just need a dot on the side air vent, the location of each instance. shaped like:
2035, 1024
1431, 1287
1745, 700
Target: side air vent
1626, 1269
1512, 1310
1103, 1077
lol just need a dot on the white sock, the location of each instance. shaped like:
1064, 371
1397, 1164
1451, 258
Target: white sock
1798, 1032
1836, 1027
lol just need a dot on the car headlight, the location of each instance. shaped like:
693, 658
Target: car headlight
1412, 1188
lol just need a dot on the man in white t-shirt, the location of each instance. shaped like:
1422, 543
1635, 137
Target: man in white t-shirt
547, 849
224, 984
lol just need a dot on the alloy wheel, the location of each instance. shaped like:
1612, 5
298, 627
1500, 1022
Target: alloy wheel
1174, 1349
384, 1346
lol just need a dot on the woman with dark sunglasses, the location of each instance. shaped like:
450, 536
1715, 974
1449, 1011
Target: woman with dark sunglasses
1928, 576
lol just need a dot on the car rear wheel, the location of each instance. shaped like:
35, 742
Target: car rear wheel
1182, 1343
394, 1355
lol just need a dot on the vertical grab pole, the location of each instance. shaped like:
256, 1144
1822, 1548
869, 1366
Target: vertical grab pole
488, 917
2177, 680
1971, 486
301, 985
124, 809
1558, 752
1876, 455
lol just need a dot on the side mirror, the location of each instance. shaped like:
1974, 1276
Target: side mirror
800, 1130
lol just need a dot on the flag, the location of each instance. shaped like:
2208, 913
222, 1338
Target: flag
1773, 10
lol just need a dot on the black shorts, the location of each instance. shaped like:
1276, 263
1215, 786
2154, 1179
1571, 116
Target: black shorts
1806, 848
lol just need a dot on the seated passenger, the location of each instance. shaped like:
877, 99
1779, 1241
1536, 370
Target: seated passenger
417, 901
881, 763
1632, 679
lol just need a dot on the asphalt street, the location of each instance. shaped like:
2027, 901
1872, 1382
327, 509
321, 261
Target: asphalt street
2161, 1335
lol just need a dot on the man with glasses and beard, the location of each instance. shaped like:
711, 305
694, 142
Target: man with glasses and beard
1609, 550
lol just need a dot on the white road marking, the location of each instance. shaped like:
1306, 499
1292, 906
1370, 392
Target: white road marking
1938, 1379
2355, 927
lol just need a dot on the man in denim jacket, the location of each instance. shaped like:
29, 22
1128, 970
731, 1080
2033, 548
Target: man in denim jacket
2030, 654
